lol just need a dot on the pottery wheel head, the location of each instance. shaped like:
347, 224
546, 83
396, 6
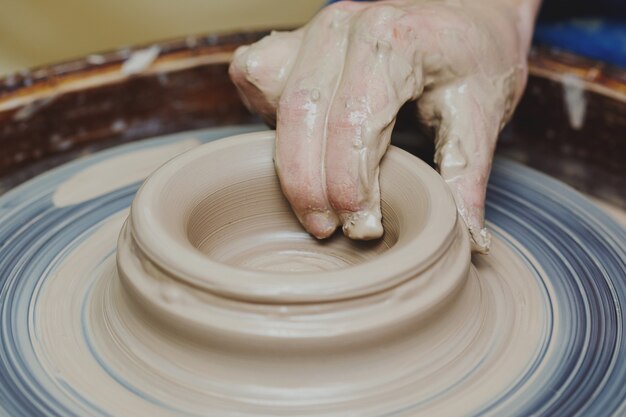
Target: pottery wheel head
217, 300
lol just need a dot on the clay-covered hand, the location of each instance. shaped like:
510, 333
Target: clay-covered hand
334, 87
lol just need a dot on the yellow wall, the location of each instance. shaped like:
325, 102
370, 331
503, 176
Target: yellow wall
35, 32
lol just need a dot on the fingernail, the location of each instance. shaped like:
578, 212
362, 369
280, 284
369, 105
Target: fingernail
362, 225
481, 240
480, 237
320, 224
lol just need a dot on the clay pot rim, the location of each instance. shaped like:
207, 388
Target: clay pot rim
189, 264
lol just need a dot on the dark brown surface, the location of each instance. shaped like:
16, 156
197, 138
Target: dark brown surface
54, 123
591, 158
49, 115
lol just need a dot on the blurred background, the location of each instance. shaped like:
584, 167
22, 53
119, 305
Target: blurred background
36, 32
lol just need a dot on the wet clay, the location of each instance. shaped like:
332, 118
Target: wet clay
221, 302
293, 325
216, 219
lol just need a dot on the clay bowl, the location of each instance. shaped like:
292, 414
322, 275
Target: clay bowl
211, 241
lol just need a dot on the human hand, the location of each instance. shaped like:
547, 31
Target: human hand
334, 87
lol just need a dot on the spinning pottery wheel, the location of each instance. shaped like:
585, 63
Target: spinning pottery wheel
534, 328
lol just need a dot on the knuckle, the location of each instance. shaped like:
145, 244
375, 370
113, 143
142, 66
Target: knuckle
240, 55
248, 63
237, 65
379, 20
333, 14
328, 15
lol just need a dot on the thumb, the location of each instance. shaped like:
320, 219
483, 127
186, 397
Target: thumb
469, 189
467, 121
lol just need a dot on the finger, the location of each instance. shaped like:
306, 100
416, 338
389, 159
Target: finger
376, 81
260, 71
302, 112
468, 122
